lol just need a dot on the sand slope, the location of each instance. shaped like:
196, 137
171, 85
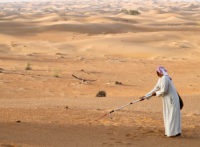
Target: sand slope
47, 106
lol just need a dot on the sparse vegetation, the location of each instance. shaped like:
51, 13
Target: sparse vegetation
28, 66
1, 70
56, 74
118, 83
134, 12
130, 12
125, 11
18, 121
101, 94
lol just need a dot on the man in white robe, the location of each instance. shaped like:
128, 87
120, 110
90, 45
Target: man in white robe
171, 107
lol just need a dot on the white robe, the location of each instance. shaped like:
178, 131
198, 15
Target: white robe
171, 107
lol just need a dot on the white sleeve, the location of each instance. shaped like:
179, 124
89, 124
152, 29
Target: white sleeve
156, 88
163, 87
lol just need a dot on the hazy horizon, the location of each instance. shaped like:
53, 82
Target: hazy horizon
65, 0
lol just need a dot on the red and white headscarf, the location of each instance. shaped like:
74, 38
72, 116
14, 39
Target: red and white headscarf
162, 71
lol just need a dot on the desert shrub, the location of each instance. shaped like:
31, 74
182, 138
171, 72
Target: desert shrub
125, 11
134, 12
118, 83
28, 66
101, 94
1, 70
130, 12
56, 74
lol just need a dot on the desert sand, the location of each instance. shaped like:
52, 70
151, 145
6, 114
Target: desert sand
91, 39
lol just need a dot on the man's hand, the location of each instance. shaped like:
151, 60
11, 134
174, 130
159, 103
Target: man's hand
142, 98
154, 94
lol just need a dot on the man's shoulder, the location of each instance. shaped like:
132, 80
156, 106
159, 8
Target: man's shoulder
165, 77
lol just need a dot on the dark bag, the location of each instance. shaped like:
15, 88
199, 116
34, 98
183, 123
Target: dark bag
180, 101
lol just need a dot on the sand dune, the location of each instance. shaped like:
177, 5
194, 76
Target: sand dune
94, 40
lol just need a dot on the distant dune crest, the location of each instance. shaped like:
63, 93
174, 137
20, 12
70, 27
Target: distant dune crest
100, 28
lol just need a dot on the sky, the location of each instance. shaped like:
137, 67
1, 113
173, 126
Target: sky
53, 0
